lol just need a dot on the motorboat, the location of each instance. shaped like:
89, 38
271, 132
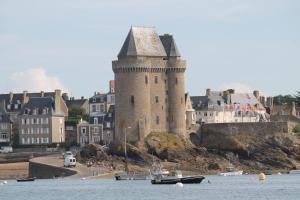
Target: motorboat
231, 171
296, 171
176, 177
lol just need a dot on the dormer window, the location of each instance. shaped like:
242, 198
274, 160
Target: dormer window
26, 111
34, 112
45, 111
94, 100
8, 106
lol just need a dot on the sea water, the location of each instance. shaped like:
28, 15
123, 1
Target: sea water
281, 187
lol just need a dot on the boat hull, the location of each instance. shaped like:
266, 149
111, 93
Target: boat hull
183, 180
294, 172
235, 173
125, 177
26, 180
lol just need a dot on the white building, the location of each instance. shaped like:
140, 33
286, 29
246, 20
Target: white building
228, 107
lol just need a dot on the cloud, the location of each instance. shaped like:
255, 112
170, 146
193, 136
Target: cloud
238, 87
34, 80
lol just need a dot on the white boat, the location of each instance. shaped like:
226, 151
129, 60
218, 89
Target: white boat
132, 176
230, 171
234, 173
294, 171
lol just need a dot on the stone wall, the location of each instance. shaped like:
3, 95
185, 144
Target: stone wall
233, 136
42, 171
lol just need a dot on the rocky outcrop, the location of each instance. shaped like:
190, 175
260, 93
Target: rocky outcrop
256, 146
250, 152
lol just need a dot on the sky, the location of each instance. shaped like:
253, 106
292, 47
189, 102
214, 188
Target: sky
70, 44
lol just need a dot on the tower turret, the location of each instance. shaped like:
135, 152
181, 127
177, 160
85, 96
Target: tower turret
149, 86
176, 92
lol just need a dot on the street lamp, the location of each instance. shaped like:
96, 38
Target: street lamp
125, 148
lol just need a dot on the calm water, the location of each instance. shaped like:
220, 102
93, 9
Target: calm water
284, 187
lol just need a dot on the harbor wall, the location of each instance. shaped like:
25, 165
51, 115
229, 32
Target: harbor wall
43, 171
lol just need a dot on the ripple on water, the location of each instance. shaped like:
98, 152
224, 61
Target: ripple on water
285, 187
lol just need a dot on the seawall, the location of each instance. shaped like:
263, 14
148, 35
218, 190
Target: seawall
44, 171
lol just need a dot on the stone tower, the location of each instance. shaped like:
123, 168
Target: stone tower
149, 86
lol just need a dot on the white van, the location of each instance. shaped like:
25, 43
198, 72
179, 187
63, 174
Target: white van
70, 161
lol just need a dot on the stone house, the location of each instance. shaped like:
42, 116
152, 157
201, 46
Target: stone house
5, 130
21, 107
190, 114
91, 134
228, 107
100, 104
97, 107
42, 120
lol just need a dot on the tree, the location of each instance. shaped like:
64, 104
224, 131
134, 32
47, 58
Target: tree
297, 96
76, 113
284, 99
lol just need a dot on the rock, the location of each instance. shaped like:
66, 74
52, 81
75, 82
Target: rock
168, 146
93, 151
213, 166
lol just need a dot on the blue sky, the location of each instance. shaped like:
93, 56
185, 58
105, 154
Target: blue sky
242, 44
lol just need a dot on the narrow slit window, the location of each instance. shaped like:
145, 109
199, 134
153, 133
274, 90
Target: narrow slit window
132, 99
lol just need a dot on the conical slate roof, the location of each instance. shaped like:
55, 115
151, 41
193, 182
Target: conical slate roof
142, 41
170, 45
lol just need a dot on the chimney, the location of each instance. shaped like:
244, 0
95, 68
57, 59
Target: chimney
82, 97
57, 101
65, 96
256, 94
269, 102
25, 97
208, 92
42, 94
11, 96
2, 106
226, 96
262, 100
231, 91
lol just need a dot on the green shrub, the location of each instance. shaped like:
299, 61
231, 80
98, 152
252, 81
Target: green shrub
297, 128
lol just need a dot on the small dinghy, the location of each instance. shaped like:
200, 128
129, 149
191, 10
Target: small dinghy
25, 179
